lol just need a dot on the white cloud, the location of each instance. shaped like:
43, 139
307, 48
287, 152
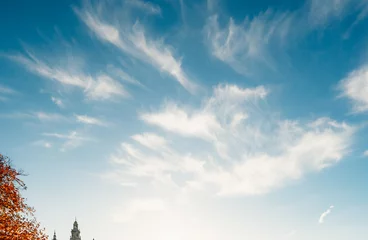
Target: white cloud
258, 154
243, 46
42, 116
259, 39
134, 41
117, 72
324, 215
72, 140
172, 118
363, 7
314, 150
100, 88
323, 13
49, 116
36, 66
205, 123
158, 166
138, 206
71, 135
42, 143
150, 140
89, 120
355, 87
365, 153
58, 102
104, 88
5, 92
147, 7
232, 93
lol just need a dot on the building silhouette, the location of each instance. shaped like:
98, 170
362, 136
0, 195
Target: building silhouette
75, 232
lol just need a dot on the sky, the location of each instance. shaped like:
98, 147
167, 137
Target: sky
175, 119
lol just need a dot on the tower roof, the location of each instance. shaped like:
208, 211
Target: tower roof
54, 237
75, 224
75, 233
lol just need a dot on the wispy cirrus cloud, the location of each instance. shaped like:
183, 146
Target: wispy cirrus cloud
150, 140
90, 120
101, 87
204, 123
174, 119
355, 87
324, 215
58, 102
71, 135
49, 116
320, 14
133, 40
255, 155
365, 153
42, 116
363, 7
145, 6
246, 45
5, 92
55, 117
42, 143
119, 73
72, 139
257, 41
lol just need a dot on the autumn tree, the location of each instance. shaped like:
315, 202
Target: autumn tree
17, 219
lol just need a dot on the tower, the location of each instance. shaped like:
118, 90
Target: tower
75, 232
54, 237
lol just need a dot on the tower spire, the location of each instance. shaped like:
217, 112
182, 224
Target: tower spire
75, 233
54, 238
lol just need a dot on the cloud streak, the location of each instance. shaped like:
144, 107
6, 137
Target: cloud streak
133, 40
257, 41
150, 140
322, 13
42, 143
58, 102
101, 87
89, 120
72, 139
5, 92
355, 88
147, 7
244, 46
119, 73
324, 215
41, 116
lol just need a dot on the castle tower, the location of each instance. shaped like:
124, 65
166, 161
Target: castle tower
75, 232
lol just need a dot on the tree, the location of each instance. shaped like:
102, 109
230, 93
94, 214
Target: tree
17, 219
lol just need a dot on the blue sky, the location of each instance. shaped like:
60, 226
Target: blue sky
189, 119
